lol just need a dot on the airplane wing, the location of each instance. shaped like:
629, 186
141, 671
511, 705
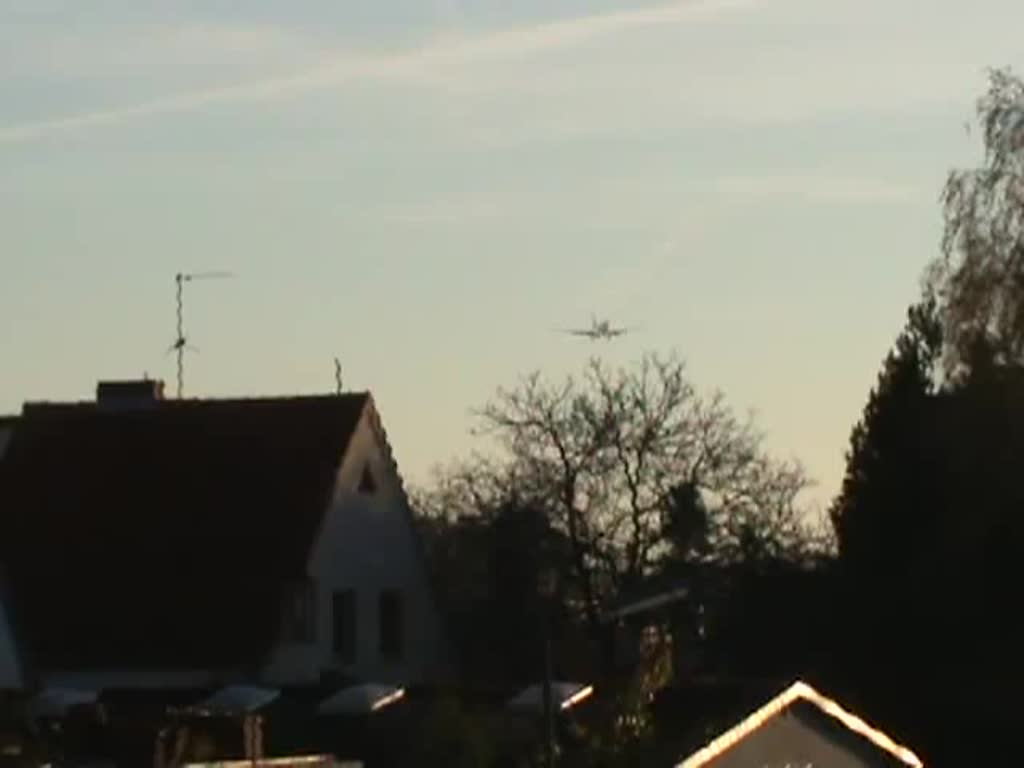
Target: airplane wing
575, 331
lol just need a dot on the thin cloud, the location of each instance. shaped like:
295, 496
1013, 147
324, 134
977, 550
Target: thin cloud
410, 65
440, 213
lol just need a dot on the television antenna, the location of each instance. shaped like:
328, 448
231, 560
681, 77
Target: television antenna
180, 342
337, 376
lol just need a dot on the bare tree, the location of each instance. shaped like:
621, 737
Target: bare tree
606, 455
978, 281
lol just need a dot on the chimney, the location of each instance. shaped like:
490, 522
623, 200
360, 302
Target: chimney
128, 394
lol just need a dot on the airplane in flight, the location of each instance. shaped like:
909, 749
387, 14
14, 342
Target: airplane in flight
598, 330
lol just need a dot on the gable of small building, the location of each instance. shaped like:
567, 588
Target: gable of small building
799, 726
367, 550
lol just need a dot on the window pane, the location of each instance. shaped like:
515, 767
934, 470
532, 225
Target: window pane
390, 631
366, 483
344, 641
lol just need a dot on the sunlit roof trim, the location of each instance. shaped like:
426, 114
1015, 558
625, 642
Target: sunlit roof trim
321, 760
387, 700
357, 699
576, 698
564, 696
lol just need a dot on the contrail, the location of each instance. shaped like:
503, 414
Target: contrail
408, 65
326, 75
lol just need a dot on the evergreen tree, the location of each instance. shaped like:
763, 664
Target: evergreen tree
877, 515
885, 518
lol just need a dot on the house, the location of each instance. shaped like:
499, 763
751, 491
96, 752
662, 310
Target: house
801, 727
182, 543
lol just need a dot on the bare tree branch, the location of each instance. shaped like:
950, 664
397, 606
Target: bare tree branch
978, 282
603, 455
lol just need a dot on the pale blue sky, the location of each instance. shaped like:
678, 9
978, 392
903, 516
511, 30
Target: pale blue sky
425, 189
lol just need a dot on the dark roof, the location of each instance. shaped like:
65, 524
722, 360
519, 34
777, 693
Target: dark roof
162, 534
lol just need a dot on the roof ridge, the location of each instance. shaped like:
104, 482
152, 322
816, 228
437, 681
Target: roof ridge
196, 401
260, 399
389, 455
249, 398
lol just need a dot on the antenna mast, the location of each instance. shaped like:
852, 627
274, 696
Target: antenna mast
337, 376
180, 342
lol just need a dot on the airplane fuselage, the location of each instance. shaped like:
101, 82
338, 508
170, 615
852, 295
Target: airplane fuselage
598, 331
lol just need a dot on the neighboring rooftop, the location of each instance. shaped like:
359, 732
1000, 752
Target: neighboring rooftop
768, 735
161, 531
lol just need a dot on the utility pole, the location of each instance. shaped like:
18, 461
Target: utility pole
549, 709
180, 342
547, 591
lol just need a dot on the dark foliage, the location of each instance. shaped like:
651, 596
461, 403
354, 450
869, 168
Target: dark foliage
929, 530
449, 735
495, 569
888, 473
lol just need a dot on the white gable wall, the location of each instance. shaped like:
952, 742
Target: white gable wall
787, 740
368, 544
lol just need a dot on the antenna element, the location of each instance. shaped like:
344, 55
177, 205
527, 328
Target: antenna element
180, 342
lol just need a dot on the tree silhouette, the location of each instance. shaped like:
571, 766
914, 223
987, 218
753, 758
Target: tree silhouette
875, 513
489, 568
889, 507
608, 458
686, 525
930, 538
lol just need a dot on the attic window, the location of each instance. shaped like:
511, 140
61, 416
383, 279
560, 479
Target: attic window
366, 483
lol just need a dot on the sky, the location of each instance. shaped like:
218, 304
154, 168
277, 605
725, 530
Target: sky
426, 189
